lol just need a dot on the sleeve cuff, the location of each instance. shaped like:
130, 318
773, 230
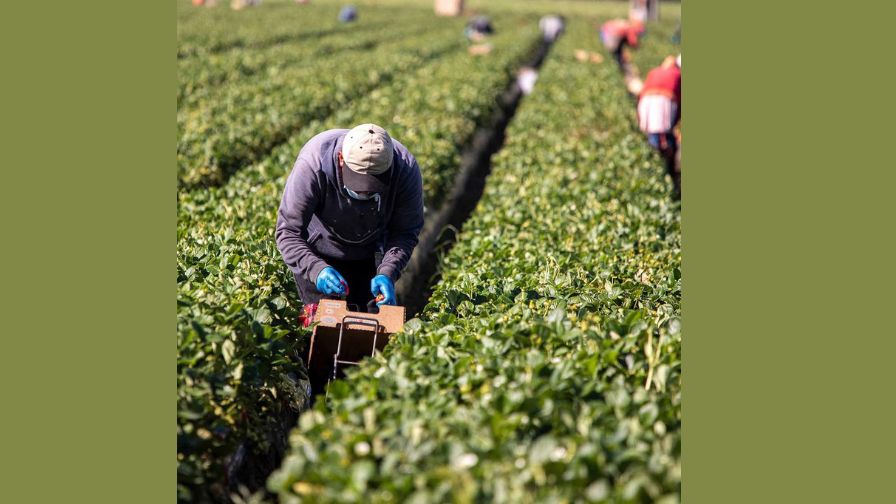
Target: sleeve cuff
389, 271
315, 271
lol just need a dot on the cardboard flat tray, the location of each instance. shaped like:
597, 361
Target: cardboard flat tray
357, 337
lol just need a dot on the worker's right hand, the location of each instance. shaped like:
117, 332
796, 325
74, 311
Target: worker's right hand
331, 283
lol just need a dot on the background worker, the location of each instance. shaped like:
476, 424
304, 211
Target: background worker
243, 4
551, 27
352, 195
478, 28
348, 14
617, 34
659, 110
525, 79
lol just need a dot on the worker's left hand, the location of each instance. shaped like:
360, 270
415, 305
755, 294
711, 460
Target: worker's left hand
381, 284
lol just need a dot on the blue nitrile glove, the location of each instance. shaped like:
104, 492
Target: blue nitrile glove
381, 284
331, 283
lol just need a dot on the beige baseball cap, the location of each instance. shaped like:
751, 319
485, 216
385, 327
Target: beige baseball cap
367, 152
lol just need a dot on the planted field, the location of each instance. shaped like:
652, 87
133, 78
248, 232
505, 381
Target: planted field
238, 371
545, 366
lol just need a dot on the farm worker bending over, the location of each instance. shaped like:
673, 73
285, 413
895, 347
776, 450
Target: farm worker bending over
348, 14
352, 195
478, 28
659, 109
616, 34
551, 27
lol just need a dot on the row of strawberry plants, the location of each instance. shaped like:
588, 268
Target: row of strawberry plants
222, 130
205, 33
202, 75
202, 32
236, 300
546, 367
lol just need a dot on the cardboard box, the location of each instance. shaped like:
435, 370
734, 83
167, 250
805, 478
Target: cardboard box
449, 7
362, 334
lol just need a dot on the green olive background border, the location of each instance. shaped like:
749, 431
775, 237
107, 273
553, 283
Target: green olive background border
787, 252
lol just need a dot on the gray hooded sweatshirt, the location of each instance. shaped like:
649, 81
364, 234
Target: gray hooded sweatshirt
317, 220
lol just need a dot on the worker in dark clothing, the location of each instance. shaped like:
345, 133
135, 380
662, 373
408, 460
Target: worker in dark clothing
478, 28
348, 14
350, 216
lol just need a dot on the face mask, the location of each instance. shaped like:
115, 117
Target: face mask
357, 196
370, 196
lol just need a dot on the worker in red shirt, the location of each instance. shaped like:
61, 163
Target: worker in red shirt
617, 34
659, 111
